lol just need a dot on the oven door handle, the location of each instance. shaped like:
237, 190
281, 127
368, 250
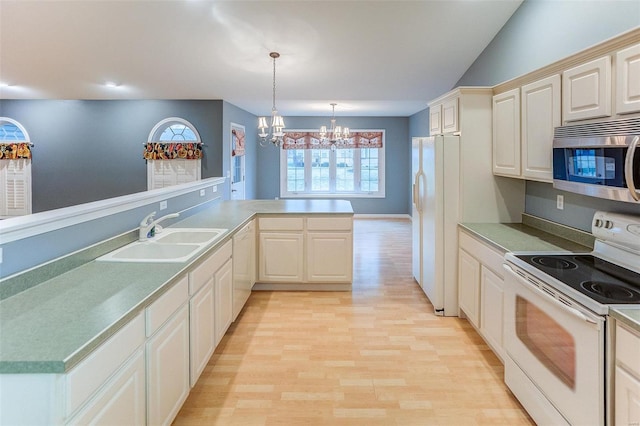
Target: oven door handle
628, 168
530, 285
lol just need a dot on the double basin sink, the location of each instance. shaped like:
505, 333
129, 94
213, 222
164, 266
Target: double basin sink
172, 245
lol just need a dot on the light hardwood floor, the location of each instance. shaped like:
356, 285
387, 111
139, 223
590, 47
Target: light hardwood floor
375, 356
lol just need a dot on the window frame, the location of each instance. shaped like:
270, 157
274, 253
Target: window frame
332, 193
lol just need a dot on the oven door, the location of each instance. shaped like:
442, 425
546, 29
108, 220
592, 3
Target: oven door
558, 348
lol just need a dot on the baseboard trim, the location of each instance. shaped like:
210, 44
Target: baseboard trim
382, 216
301, 287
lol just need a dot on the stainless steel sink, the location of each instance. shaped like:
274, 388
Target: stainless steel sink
172, 245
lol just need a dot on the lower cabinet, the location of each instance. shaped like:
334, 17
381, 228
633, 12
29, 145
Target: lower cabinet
305, 250
469, 286
202, 335
121, 401
481, 288
627, 377
223, 283
168, 369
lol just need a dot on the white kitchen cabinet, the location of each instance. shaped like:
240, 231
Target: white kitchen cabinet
627, 376
506, 133
121, 400
469, 286
587, 90
541, 114
435, 119
628, 80
443, 115
223, 286
281, 249
202, 337
167, 353
244, 266
491, 309
329, 244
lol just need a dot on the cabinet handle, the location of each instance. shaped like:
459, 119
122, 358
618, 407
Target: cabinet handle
628, 168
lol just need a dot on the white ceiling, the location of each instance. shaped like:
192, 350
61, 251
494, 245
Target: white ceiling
374, 58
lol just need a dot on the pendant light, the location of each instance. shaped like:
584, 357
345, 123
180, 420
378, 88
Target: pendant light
275, 132
336, 134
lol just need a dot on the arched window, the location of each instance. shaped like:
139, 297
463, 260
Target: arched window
170, 139
15, 168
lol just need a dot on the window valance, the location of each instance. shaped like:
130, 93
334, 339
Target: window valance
172, 150
312, 140
14, 151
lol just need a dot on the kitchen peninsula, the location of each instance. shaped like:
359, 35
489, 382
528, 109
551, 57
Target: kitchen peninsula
68, 344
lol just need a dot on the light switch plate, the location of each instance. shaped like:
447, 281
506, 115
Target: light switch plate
215, 188
0, 254
163, 205
202, 192
560, 202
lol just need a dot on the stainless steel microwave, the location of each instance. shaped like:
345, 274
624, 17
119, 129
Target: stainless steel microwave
599, 159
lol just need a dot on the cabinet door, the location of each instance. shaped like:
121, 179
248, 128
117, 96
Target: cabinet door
469, 286
587, 90
450, 116
223, 283
244, 266
540, 115
627, 397
491, 308
202, 338
435, 120
281, 257
168, 369
506, 133
329, 257
121, 401
628, 80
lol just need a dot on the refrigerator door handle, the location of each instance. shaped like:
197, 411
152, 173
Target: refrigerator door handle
416, 193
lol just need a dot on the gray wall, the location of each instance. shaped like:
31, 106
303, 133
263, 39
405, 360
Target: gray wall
397, 162
540, 33
110, 133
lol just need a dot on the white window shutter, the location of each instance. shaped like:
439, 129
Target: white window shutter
15, 180
163, 173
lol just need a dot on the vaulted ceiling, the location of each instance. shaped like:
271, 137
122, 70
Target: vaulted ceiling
373, 58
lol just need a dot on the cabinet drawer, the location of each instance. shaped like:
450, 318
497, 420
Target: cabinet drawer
167, 304
489, 257
329, 223
628, 349
281, 223
201, 274
92, 372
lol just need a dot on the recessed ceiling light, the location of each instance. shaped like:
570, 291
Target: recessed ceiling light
111, 84
4, 84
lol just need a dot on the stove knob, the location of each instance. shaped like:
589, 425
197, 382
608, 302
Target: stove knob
608, 224
598, 223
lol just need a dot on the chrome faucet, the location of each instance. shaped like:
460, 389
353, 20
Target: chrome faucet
150, 227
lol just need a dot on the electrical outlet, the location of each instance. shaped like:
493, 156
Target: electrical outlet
0, 254
163, 205
215, 188
202, 192
560, 202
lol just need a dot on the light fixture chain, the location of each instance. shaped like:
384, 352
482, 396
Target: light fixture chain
274, 85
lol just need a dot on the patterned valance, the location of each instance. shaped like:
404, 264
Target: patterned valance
14, 151
172, 150
311, 140
237, 140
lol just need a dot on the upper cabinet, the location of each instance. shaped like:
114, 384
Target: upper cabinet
443, 115
506, 133
587, 90
540, 115
628, 80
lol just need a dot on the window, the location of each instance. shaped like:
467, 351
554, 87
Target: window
15, 169
310, 168
174, 171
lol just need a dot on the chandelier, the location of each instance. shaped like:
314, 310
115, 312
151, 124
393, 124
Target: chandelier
336, 134
275, 132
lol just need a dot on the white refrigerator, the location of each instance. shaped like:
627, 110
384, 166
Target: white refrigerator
435, 216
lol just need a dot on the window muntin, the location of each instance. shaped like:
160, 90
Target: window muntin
174, 129
344, 172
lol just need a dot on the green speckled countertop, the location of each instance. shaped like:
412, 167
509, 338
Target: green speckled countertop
516, 237
51, 327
